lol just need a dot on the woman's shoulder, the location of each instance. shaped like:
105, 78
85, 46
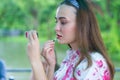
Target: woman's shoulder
96, 56
98, 69
97, 61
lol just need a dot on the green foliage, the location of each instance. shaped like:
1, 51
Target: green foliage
109, 24
39, 14
10, 15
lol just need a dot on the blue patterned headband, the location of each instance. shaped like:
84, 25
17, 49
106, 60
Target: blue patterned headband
74, 3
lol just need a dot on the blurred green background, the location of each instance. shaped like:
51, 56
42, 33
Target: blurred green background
18, 16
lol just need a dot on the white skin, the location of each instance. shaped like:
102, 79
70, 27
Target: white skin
65, 33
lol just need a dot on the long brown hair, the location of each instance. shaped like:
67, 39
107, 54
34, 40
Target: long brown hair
88, 34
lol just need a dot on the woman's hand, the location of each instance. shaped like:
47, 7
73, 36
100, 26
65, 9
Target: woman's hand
48, 53
33, 48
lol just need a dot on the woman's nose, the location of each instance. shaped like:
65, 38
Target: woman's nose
57, 27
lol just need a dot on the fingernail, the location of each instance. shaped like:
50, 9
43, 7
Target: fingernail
26, 34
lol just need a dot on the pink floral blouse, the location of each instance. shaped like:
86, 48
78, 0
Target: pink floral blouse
98, 71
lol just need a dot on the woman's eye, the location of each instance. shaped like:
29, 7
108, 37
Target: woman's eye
63, 23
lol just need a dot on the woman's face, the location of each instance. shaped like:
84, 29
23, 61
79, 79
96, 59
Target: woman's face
66, 24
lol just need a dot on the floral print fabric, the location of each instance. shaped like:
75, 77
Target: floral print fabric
68, 70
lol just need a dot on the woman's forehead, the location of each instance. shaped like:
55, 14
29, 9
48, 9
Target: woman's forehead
65, 11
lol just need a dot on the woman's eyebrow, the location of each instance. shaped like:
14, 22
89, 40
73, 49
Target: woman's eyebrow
60, 18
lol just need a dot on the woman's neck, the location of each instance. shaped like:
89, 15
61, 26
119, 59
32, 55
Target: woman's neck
74, 46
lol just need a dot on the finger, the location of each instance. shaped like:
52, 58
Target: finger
34, 33
49, 43
49, 51
49, 46
44, 51
46, 48
30, 37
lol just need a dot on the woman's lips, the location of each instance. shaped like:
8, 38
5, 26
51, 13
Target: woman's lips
59, 36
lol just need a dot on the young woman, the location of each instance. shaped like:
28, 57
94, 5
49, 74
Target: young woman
86, 59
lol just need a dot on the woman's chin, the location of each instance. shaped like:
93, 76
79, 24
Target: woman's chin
61, 42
